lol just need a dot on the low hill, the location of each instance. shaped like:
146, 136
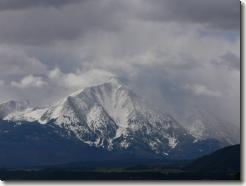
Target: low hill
225, 160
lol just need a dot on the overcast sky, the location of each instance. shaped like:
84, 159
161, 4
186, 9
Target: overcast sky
174, 53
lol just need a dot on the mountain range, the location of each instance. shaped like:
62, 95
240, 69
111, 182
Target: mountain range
103, 121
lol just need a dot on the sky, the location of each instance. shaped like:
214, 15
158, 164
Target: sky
175, 54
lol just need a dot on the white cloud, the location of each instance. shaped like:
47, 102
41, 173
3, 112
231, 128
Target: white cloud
30, 81
55, 74
78, 79
201, 90
66, 80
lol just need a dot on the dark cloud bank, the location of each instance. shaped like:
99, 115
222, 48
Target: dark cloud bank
23, 4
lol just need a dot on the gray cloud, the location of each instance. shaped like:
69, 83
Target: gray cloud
44, 26
229, 60
216, 14
23, 4
35, 26
16, 63
46, 48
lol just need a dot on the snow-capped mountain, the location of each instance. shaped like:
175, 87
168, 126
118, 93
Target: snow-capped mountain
111, 116
107, 115
202, 124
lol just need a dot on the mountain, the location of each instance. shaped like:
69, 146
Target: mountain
110, 116
203, 124
225, 159
104, 117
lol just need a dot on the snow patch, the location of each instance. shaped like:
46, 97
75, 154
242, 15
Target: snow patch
172, 142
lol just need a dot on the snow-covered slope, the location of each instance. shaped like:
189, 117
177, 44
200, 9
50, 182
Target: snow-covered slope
202, 124
111, 116
29, 114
